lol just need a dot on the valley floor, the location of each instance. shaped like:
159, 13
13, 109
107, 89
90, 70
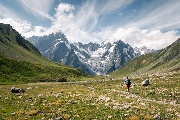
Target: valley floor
93, 100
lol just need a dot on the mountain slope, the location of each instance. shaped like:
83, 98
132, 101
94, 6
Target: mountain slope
166, 60
20, 61
11, 43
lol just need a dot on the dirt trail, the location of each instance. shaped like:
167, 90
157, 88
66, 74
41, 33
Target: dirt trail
173, 103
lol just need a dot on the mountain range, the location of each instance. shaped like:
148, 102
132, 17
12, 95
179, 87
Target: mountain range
93, 58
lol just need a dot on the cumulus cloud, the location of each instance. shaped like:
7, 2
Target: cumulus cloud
65, 21
20, 27
25, 28
37, 31
64, 8
154, 39
79, 27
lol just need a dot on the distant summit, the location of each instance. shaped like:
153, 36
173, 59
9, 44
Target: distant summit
144, 50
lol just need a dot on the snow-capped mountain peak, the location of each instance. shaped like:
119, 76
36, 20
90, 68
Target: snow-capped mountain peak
92, 58
143, 50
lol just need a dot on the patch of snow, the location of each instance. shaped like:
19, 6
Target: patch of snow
142, 52
59, 39
111, 49
125, 50
98, 53
55, 45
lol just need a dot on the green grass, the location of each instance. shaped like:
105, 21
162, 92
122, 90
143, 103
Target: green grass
93, 100
135, 66
13, 71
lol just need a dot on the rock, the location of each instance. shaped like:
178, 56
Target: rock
17, 90
13, 113
43, 118
157, 117
20, 96
145, 82
31, 99
29, 88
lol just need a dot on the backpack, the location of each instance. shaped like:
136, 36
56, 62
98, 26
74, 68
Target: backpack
128, 82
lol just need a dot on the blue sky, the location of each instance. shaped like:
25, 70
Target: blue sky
153, 23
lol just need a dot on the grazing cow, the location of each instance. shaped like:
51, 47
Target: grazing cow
17, 90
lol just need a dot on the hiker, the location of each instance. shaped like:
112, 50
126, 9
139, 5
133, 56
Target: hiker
128, 83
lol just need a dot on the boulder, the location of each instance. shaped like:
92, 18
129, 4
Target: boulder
17, 90
157, 117
145, 82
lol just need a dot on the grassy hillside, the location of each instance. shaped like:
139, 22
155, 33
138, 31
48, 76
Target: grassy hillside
167, 60
21, 62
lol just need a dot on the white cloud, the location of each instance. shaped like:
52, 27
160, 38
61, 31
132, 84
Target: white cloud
20, 27
41, 5
87, 17
113, 5
164, 16
37, 7
45, 15
79, 27
5, 12
91, 12
105, 34
154, 39
135, 37
65, 21
64, 8
25, 28
37, 31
